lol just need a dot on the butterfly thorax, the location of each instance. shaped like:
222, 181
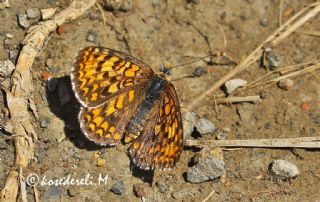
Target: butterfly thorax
156, 87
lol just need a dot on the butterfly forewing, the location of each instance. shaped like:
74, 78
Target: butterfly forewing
100, 74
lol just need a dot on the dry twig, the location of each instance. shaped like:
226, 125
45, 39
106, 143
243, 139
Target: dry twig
281, 33
11, 188
252, 98
304, 142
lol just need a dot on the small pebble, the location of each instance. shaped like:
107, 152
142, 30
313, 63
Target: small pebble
94, 16
233, 84
40, 154
72, 191
140, 189
119, 5
286, 84
155, 3
273, 60
283, 169
263, 94
101, 162
45, 122
315, 116
22, 21
118, 188
53, 193
8, 128
184, 193
264, 22
61, 30
4, 4
6, 68
9, 36
204, 126
199, 71
49, 62
246, 112
95, 155
33, 13
92, 36
194, 1
305, 106
13, 55
221, 135
207, 169
162, 187
9, 44
47, 13
189, 120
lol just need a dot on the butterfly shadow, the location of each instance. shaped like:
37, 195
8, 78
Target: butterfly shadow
145, 175
63, 103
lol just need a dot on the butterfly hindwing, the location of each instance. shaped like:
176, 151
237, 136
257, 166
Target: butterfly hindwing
160, 144
100, 73
106, 124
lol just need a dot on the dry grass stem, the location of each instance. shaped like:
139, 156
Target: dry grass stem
309, 32
294, 74
208, 197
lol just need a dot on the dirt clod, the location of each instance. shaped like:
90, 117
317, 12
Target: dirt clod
141, 189
33, 13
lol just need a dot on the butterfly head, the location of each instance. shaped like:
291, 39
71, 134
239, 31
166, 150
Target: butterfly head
166, 69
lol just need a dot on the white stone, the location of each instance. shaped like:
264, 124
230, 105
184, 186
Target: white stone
233, 84
47, 13
6, 68
283, 169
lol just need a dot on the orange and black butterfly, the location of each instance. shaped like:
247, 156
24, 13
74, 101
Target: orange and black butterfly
123, 99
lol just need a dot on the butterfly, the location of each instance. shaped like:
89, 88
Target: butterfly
123, 99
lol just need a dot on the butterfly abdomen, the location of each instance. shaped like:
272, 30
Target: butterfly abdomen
135, 126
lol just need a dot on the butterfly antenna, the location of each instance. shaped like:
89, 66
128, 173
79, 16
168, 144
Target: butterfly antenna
153, 41
197, 60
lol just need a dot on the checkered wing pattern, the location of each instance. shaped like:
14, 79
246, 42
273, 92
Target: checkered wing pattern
110, 85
